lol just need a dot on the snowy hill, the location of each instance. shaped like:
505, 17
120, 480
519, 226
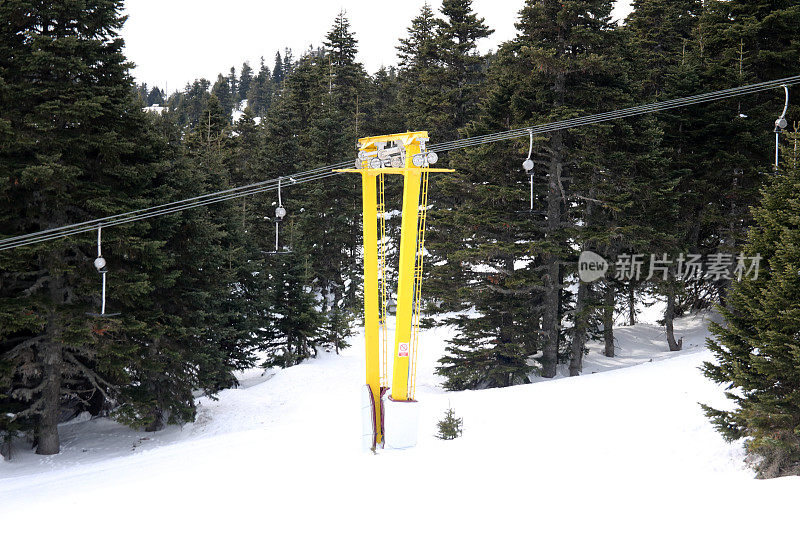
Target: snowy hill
624, 447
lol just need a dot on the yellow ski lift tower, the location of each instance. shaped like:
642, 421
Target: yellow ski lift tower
404, 154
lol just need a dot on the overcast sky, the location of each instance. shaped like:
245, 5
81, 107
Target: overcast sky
173, 42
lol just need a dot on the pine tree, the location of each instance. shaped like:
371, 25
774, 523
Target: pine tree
336, 202
741, 42
288, 62
278, 74
155, 97
187, 106
662, 39
245, 79
458, 89
295, 320
142, 92
562, 61
483, 238
259, 94
233, 85
180, 327
225, 97
194, 331
380, 109
76, 146
458, 33
450, 427
756, 351
422, 77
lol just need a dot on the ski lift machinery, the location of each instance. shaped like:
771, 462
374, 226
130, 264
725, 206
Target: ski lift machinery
280, 213
527, 166
780, 124
392, 423
100, 265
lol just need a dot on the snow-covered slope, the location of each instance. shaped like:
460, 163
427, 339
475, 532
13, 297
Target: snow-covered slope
620, 450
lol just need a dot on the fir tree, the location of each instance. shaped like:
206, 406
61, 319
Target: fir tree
756, 346
278, 73
458, 33
288, 62
422, 77
76, 146
295, 320
245, 79
233, 85
662, 44
562, 61
155, 97
187, 106
483, 238
194, 330
741, 42
450, 427
259, 94
225, 97
334, 129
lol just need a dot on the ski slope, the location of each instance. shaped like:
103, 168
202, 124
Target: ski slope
625, 447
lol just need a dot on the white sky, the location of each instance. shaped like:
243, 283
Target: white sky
173, 42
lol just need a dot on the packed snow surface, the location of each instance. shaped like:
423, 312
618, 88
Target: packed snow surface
625, 447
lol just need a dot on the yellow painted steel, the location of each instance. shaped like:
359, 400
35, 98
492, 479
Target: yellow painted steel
420, 256
410, 268
405, 281
370, 228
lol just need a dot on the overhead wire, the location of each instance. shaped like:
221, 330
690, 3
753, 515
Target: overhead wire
326, 171
191, 202
135, 216
615, 115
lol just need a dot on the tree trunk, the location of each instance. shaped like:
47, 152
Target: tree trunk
669, 317
47, 424
158, 421
631, 304
608, 319
5, 447
579, 334
552, 286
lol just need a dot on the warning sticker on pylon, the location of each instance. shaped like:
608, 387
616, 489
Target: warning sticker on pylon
402, 350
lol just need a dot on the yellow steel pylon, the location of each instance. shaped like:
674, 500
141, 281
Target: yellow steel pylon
404, 154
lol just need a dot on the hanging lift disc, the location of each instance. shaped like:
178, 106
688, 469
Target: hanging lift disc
527, 166
100, 265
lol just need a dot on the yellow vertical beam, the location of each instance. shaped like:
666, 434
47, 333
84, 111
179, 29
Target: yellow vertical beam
370, 225
405, 284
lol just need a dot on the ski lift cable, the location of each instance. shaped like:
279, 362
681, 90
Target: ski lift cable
189, 202
621, 113
325, 172
81, 228
617, 114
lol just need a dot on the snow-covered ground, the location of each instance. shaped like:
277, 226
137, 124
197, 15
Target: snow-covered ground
625, 447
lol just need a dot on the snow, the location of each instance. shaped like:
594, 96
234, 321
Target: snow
238, 112
625, 447
155, 108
